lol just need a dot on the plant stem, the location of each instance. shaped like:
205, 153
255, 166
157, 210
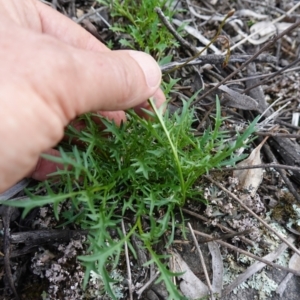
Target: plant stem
175, 154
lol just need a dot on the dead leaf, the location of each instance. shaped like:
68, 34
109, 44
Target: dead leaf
265, 30
238, 100
191, 286
250, 179
294, 263
79, 13
218, 269
18, 187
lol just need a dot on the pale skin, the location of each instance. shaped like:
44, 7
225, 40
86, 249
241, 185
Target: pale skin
51, 71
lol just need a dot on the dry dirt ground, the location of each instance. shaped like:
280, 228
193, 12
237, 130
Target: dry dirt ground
43, 264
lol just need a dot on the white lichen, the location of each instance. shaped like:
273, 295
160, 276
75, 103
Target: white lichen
283, 259
65, 275
263, 284
116, 286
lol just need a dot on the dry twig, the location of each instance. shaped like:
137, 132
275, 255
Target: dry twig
265, 47
230, 13
147, 285
254, 268
215, 59
173, 31
269, 263
8, 211
127, 264
271, 76
253, 214
91, 13
245, 240
201, 260
226, 236
261, 166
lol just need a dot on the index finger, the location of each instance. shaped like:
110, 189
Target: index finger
64, 29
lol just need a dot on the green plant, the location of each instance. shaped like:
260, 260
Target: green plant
144, 170
140, 21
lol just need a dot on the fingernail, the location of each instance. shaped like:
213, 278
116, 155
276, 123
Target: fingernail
149, 66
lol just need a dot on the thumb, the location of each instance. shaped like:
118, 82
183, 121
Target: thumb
108, 81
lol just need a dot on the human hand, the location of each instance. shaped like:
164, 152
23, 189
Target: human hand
51, 71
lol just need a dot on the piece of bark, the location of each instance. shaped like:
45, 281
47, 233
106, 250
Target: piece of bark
38, 237
33, 239
238, 100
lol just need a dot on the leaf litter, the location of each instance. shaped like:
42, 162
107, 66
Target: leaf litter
251, 179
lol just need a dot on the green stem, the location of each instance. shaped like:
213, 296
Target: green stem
174, 151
